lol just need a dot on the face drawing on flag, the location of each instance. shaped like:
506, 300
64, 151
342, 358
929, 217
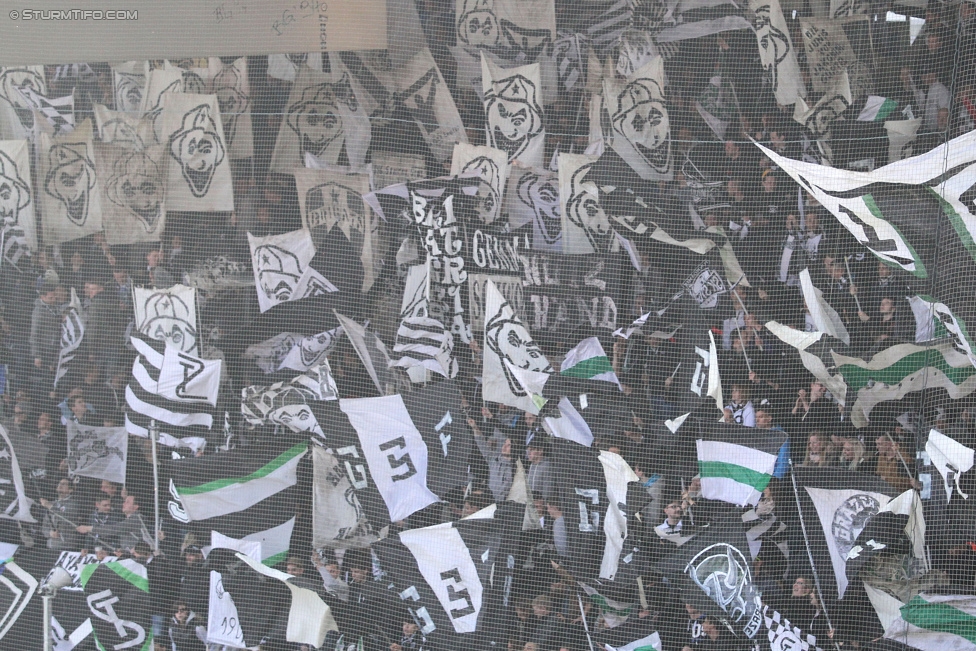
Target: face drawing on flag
773, 40
227, 85
421, 98
154, 112
12, 81
510, 340
136, 184
194, 83
541, 194
583, 209
477, 25
317, 119
14, 193
128, 92
826, 112
70, 179
722, 572
278, 271
513, 114
488, 171
850, 519
642, 120
86, 447
168, 318
198, 149
337, 203
310, 349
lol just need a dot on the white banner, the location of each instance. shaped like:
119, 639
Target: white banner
98, 452
70, 196
168, 315
17, 202
133, 192
186, 378
640, 131
513, 110
776, 51
586, 226
429, 100
16, 115
199, 176
282, 271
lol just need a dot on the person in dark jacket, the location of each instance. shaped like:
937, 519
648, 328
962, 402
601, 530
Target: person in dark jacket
45, 332
187, 630
103, 324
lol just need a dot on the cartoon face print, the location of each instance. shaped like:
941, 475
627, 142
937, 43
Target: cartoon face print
169, 318
198, 149
194, 83
278, 271
128, 91
477, 25
540, 192
317, 119
12, 81
771, 40
233, 102
312, 349
70, 179
488, 171
136, 184
509, 339
14, 192
513, 114
584, 209
336, 204
642, 119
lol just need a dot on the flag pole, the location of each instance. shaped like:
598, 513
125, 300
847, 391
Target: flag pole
850, 278
586, 627
806, 543
153, 436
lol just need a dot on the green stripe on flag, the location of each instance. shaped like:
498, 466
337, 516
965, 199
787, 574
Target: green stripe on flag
885, 109
263, 471
589, 368
857, 378
740, 474
86, 572
140, 582
872, 206
939, 617
271, 561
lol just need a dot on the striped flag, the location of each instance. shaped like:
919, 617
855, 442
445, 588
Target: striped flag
736, 463
217, 485
421, 340
72, 333
877, 109
588, 361
900, 370
650, 643
928, 622
182, 422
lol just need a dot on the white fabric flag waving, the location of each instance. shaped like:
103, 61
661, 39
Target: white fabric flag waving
824, 317
282, 269
776, 51
186, 378
508, 340
98, 452
588, 360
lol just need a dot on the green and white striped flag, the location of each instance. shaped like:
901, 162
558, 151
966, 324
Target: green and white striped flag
588, 361
928, 622
934, 320
650, 643
736, 463
235, 480
900, 370
877, 109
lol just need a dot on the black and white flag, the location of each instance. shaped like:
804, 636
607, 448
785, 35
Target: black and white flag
16, 114
585, 224
72, 334
429, 101
98, 452
513, 111
159, 82
421, 340
289, 403
532, 198
835, 45
186, 378
819, 117
181, 423
372, 352
199, 169
123, 129
52, 115
776, 52
491, 166
168, 315
338, 518
70, 198
14, 503
401, 453
291, 350
19, 234
508, 345
283, 270
591, 485
133, 192
325, 117
229, 82
640, 131
129, 84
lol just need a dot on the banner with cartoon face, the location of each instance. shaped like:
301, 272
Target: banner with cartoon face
199, 169
586, 225
168, 315
133, 193
427, 97
129, 85
819, 117
833, 46
19, 230
16, 112
324, 117
776, 52
329, 198
70, 196
533, 198
513, 111
285, 66
122, 129
640, 131
158, 84
282, 269
491, 166
230, 84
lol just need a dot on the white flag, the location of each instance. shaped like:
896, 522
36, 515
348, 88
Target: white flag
98, 452
513, 110
186, 378
71, 205
282, 271
199, 176
825, 318
640, 131
168, 315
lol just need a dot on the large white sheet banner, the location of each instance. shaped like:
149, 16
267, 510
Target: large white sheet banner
16, 114
133, 191
533, 198
491, 166
230, 84
282, 269
128, 85
168, 315
429, 100
776, 51
830, 52
70, 197
586, 226
17, 201
513, 111
159, 83
123, 129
